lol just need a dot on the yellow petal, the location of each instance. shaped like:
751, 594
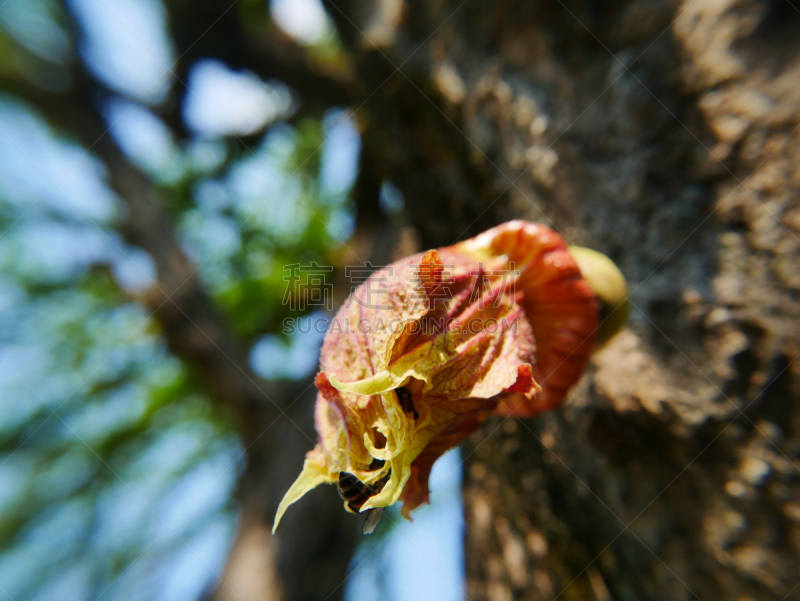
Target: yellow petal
378, 384
401, 471
389, 379
313, 475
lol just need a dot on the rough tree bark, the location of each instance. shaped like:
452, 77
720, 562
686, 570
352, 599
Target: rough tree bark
665, 135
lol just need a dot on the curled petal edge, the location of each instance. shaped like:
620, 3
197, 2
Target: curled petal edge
313, 475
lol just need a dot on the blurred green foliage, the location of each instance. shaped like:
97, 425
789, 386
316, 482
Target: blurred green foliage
116, 471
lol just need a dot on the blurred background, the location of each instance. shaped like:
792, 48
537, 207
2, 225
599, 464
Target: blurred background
178, 179
122, 149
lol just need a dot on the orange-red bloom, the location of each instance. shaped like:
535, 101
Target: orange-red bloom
430, 346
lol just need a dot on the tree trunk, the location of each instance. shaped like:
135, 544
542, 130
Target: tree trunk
663, 134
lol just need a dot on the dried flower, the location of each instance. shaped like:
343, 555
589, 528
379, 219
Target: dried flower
430, 346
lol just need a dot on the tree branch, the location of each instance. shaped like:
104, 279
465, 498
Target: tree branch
244, 38
194, 329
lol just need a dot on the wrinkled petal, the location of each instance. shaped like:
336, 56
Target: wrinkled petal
559, 303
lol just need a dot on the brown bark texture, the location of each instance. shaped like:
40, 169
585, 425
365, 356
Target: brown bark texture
665, 135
